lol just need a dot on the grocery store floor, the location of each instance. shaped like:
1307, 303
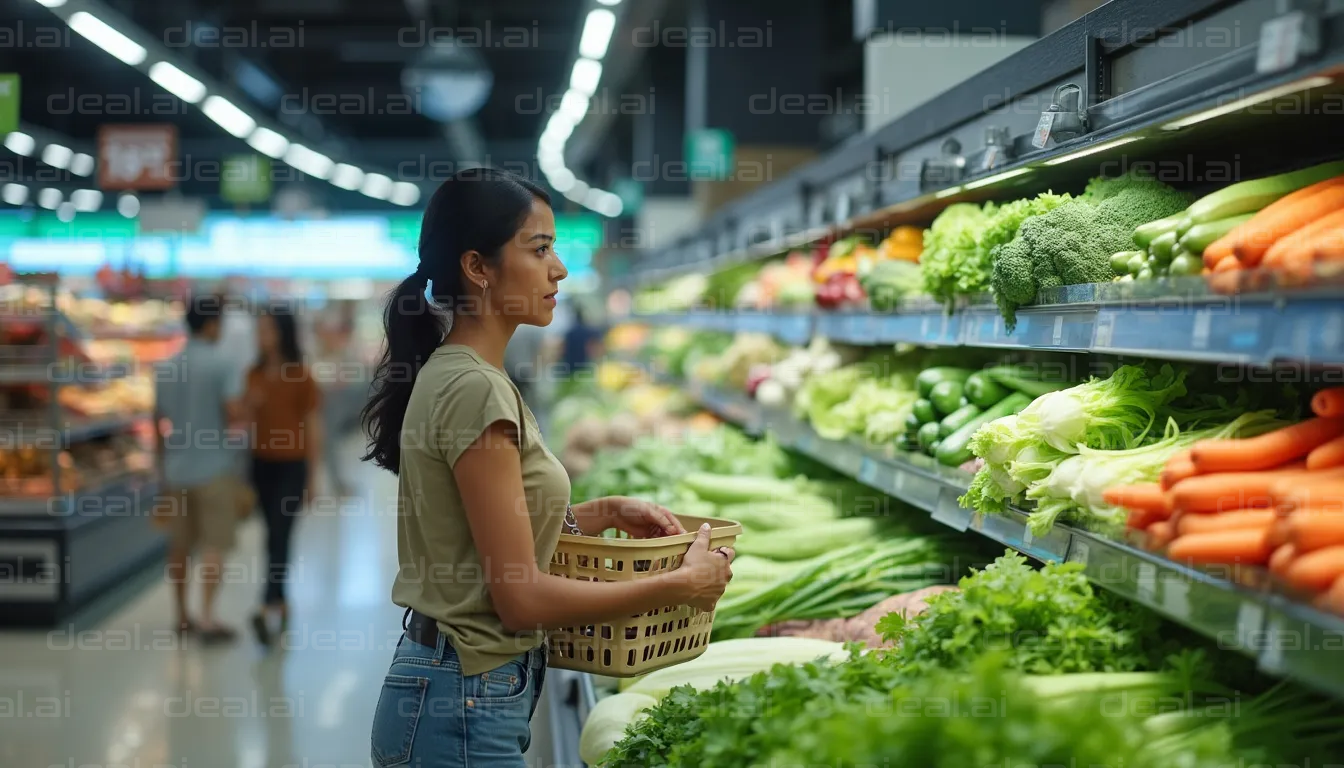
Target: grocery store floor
118, 690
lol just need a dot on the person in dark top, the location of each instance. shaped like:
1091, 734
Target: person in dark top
583, 343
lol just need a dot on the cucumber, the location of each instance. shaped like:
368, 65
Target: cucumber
1184, 225
1145, 233
924, 411
927, 378
1201, 236
1024, 381
983, 391
1250, 196
1161, 246
1137, 262
928, 435
912, 424
954, 450
946, 396
1145, 274
1185, 265
1120, 261
957, 419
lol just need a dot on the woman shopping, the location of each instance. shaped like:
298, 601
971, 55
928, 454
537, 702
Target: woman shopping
285, 404
481, 499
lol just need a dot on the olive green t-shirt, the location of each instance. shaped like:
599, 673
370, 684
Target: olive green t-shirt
456, 396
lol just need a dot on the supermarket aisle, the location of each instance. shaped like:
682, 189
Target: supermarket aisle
125, 692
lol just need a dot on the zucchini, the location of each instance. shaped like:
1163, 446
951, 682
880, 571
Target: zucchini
954, 450
1024, 381
957, 419
1185, 265
1120, 261
1144, 234
927, 378
924, 411
1161, 246
946, 396
912, 424
928, 435
1250, 196
1201, 236
983, 391
1137, 262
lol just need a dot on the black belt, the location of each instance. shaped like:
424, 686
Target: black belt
420, 628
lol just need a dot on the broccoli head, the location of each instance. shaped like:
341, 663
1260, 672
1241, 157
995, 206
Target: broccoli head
1134, 199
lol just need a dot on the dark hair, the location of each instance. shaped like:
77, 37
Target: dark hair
201, 309
478, 209
286, 328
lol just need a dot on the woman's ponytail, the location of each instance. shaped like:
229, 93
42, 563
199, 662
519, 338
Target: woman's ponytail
478, 209
414, 330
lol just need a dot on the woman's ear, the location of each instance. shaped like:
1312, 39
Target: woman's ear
474, 269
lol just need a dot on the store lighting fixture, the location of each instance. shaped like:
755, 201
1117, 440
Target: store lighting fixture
599, 2
128, 205
346, 176
20, 143
996, 178
578, 192
560, 126
268, 143
574, 105
597, 29
950, 191
86, 200
309, 161
1250, 101
1092, 150
377, 186
65, 212
81, 164
177, 82
49, 198
562, 180
585, 77
14, 194
51, 3
229, 117
104, 36
405, 193
57, 155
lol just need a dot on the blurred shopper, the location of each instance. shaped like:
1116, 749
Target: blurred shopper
583, 343
196, 398
481, 500
284, 403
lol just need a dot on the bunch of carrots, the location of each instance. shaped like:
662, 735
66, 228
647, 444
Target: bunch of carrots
1274, 500
1291, 235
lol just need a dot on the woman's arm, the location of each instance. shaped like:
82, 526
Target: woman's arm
490, 480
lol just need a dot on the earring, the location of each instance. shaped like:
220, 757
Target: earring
485, 284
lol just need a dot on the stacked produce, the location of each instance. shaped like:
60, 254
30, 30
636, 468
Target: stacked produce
1276, 500
952, 693
784, 284
850, 270
733, 366
777, 384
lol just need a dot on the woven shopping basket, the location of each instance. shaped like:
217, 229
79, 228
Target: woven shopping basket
640, 644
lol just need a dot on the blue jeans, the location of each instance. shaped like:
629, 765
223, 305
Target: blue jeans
430, 715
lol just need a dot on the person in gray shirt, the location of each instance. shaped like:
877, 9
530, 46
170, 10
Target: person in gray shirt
197, 397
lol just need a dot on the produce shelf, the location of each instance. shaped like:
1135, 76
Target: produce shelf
1258, 329
1237, 608
32, 429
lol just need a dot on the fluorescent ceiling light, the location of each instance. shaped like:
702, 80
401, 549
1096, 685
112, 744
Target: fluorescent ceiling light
559, 125
1092, 150
552, 142
228, 116
66, 212
550, 163
573, 105
1240, 104
20, 143
562, 180
586, 75
177, 82
104, 36
996, 178
346, 176
405, 193
87, 200
81, 164
268, 143
377, 186
578, 192
51, 3
310, 162
57, 155
950, 191
14, 194
128, 205
49, 198
600, 2
609, 205
597, 29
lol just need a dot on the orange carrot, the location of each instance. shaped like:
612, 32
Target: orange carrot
1283, 555
1221, 248
1160, 534
1227, 264
1225, 521
1227, 491
1316, 570
1327, 455
1237, 546
1175, 473
1144, 496
1264, 451
1278, 532
1328, 402
1310, 529
1284, 217
1334, 599
1322, 489
1306, 239
1139, 519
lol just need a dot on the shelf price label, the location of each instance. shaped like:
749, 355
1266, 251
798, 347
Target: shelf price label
1280, 42
949, 511
1043, 129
